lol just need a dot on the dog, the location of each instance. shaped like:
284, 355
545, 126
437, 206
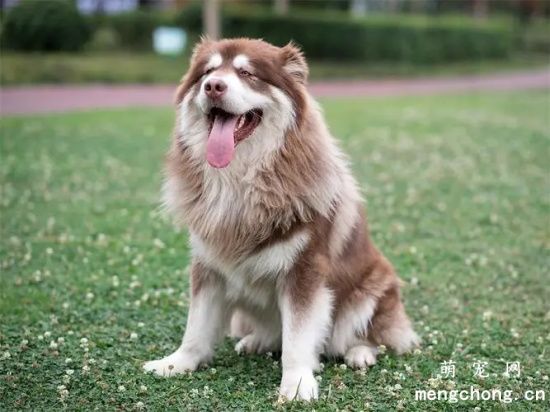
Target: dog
280, 248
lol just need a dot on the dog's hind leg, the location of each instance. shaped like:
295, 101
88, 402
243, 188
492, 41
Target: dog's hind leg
390, 324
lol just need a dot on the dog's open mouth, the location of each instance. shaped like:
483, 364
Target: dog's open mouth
226, 131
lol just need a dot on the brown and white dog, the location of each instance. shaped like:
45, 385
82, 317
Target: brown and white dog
279, 242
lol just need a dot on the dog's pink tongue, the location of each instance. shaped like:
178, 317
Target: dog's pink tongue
221, 142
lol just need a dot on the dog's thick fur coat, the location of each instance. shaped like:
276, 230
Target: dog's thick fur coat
279, 240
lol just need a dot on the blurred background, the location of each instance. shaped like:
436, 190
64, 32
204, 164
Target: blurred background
148, 41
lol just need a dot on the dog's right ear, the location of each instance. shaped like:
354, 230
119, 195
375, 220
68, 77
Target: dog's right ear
294, 62
189, 78
203, 43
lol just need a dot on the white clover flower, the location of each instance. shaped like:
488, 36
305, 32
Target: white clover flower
89, 296
487, 315
84, 341
66, 379
85, 369
143, 388
141, 325
61, 340
64, 394
47, 334
6, 355
68, 360
61, 387
65, 305
433, 382
24, 342
133, 335
69, 372
121, 388
140, 405
53, 344
382, 349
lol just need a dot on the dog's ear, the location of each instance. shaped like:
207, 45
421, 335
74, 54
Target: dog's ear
203, 43
294, 62
189, 77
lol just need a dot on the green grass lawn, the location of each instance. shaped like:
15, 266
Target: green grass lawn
125, 67
93, 281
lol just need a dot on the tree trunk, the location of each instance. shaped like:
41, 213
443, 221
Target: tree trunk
281, 6
480, 9
211, 19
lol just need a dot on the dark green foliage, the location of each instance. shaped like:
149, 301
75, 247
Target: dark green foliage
336, 36
134, 30
45, 25
377, 38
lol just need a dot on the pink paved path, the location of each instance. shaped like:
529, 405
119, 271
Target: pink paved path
47, 99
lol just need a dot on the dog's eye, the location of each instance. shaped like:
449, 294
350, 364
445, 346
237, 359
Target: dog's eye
245, 73
208, 71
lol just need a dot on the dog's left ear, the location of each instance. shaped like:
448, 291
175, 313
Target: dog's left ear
294, 62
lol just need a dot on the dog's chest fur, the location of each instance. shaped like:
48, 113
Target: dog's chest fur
252, 279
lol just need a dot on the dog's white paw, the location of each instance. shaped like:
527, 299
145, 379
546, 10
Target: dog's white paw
248, 344
297, 385
361, 356
256, 343
176, 363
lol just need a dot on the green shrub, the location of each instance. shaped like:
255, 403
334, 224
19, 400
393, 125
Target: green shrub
190, 18
133, 30
535, 37
336, 36
45, 25
104, 39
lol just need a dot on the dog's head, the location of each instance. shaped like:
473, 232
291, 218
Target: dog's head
241, 91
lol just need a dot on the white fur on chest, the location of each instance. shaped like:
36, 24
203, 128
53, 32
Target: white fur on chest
253, 279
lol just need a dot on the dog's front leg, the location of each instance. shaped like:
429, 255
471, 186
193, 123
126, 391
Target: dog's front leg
207, 318
305, 314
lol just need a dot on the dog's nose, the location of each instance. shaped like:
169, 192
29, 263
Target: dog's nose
215, 88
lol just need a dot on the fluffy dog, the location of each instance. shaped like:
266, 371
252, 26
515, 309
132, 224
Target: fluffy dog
278, 236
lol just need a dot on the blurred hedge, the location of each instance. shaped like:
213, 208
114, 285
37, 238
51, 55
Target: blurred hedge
336, 36
132, 30
329, 36
44, 25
